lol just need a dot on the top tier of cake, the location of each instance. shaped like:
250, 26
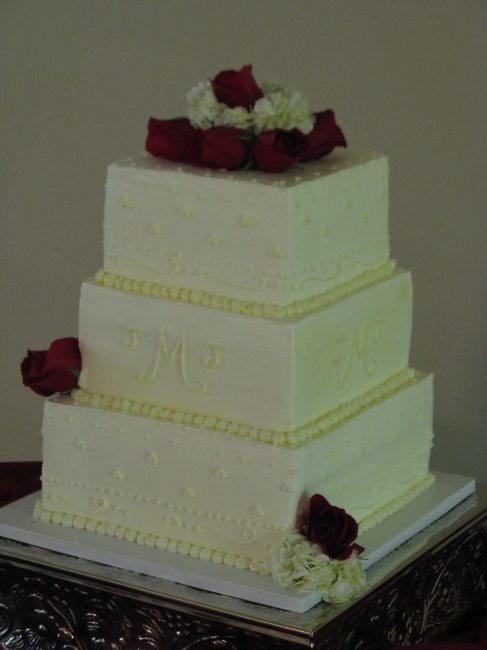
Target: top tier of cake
264, 238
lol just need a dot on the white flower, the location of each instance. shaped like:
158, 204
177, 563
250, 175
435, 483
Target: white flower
300, 565
350, 581
352, 571
340, 592
279, 108
238, 117
203, 107
325, 576
282, 109
300, 112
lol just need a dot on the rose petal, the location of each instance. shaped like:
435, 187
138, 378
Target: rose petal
236, 88
325, 135
169, 139
219, 148
63, 354
331, 528
56, 382
54, 370
275, 151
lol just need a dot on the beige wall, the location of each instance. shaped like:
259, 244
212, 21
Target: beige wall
407, 77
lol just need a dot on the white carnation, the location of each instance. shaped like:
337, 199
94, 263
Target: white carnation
352, 571
300, 112
300, 565
282, 559
282, 109
279, 108
203, 107
351, 580
238, 117
339, 592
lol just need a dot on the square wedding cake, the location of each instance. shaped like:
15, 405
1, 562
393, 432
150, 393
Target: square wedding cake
245, 345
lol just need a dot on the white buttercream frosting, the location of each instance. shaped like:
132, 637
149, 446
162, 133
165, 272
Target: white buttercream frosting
244, 346
274, 239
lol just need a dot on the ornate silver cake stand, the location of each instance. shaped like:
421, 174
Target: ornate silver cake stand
420, 591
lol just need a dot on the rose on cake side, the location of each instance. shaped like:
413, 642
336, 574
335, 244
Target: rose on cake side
55, 370
323, 558
331, 528
232, 124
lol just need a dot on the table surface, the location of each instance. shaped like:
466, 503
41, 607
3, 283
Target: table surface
278, 624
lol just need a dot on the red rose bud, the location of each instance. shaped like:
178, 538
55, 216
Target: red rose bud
219, 148
169, 139
236, 88
325, 135
52, 371
331, 528
275, 151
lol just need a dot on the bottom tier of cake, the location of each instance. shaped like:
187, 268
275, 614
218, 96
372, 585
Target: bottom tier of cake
221, 497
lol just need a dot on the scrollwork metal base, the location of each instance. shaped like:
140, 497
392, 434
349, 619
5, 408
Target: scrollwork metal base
43, 614
43, 611
425, 604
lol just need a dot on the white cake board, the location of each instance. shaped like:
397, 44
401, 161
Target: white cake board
17, 523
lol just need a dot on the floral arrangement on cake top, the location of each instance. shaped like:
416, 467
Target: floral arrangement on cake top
323, 558
55, 370
232, 123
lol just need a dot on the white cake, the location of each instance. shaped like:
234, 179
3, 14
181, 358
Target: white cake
210, 411
245, 394
250, 236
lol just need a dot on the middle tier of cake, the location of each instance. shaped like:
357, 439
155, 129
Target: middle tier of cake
277, 376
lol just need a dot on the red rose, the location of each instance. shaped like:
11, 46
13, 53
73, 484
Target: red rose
275, 151
219, 148
170, 139
236, 88
331, 528
52, 371
18, 479
325, 135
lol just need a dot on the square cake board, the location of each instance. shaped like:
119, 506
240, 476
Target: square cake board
18, 523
